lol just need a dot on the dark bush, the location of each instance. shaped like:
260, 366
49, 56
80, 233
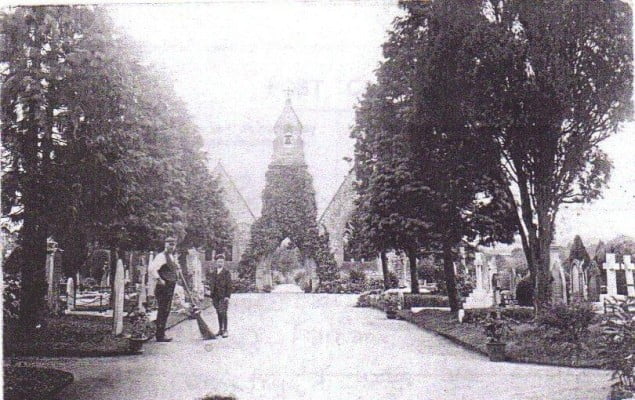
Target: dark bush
393, 281
424, 300
357, 276
525, 292
516, 314
243, 285
570, 321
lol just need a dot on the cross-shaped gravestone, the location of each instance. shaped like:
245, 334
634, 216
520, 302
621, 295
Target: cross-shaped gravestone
118, 295
610, 266
629, 268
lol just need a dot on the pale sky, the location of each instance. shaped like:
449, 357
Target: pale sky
232, 61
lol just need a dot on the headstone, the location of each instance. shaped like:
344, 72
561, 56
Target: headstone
629, 269
492, 269
118, 293
593, 282
195, 270
143, 295
151, 282
577, 280
478, 265
559, 282
52, 279
481, 296
611, 267
264, 277
70, 294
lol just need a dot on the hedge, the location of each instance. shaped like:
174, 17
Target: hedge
425, 300
517, 314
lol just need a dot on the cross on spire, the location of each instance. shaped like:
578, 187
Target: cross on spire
288, 91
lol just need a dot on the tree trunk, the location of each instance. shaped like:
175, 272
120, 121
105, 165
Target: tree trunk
414, 276
542, 289
33, 270
450, 281
384, 269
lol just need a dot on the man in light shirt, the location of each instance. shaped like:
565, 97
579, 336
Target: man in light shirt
164, 270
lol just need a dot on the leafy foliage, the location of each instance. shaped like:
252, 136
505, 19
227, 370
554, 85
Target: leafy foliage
619, 344
288, 211
570, 321
525, 292
96, 146
496, 328
549, 81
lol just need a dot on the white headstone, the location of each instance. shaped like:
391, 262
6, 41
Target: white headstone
478, 265
577, 280
610, 266
70, 294
195, 270
559, 283
143, 295
629, 268
51, 282
481, 296
118, 293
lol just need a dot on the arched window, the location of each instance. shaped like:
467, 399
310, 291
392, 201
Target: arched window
287, 138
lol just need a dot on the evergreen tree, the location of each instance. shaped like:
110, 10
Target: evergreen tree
288, 211
549, 81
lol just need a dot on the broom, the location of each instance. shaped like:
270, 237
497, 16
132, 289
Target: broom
202, 325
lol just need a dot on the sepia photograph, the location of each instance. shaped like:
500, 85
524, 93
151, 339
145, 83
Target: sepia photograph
317, 199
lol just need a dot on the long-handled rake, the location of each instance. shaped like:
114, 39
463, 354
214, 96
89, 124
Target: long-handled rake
202, 325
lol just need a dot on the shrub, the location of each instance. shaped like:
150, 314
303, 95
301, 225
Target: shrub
243, 285
11, 299
570, 321
618, 347
525, 292
393, 281
267, 288
465, 284
496, 329
357, 276
478, 316
424, 300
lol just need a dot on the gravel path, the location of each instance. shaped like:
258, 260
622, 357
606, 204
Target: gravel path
298, 346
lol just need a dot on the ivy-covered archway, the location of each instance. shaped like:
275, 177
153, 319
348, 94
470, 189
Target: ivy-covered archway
288, 212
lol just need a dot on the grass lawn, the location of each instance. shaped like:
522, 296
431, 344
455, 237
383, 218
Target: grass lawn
528, 343
75, 336
34, 383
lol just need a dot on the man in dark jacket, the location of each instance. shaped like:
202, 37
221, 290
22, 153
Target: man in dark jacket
220, 285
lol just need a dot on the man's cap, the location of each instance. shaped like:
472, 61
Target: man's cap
170, 239
219, 256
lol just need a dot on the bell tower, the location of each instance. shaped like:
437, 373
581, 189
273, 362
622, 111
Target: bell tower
288, 146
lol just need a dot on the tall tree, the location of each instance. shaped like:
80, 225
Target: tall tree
95, 148
550, 81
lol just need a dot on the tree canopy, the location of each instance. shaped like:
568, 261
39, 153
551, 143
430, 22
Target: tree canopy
97, 148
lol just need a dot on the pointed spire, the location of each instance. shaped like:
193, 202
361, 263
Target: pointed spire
288, 120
